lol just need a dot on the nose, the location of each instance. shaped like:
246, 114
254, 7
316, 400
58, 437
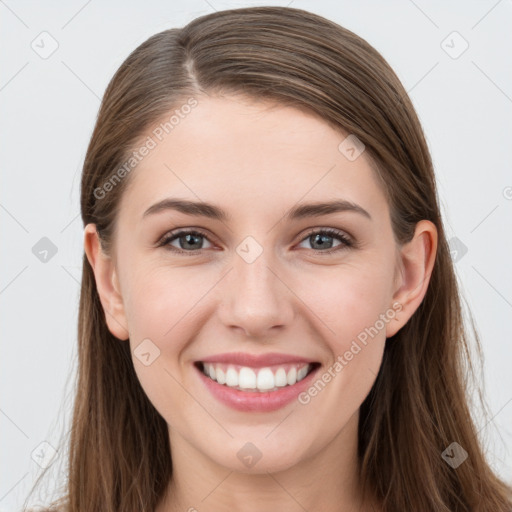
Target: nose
255, 299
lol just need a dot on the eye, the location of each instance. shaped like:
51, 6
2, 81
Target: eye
189, 241
322, 239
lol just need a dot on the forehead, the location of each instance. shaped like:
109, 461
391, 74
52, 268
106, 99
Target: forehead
237, 151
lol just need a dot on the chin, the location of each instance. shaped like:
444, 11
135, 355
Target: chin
260, 454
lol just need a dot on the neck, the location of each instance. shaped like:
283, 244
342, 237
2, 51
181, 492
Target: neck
328, 481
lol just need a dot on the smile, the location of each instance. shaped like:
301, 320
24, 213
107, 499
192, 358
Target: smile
256, 383
256, 380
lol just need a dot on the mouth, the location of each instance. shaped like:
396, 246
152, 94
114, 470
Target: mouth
256, 380
250, 383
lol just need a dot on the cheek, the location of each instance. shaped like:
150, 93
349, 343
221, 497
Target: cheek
161, 305
161, 300
348, 301
351, 305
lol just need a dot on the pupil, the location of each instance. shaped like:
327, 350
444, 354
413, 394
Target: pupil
323, 244
190, 237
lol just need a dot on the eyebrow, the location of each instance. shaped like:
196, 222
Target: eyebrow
209, 210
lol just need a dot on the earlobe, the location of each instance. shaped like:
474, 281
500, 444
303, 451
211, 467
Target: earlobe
416, 261
107, 283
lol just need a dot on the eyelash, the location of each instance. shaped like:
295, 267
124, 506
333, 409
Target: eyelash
346, 242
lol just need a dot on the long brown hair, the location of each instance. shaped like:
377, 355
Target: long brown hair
119, 454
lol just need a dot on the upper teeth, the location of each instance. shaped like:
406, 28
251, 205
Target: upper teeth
264, 379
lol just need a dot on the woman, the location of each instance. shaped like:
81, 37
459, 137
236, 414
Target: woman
269, 316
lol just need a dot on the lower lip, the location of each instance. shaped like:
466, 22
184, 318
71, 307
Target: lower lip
256, 401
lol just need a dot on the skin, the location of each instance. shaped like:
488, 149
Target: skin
258, 160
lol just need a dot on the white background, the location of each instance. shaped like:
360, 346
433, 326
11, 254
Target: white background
48, 108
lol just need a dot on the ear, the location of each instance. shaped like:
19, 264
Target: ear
107, 283
415, 263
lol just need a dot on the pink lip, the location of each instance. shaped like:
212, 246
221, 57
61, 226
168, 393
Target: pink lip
255, 361
256, 401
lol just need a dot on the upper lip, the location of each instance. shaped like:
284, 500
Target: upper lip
255, 360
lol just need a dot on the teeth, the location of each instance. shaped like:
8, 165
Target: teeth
264, 379
302, 373
231, 378
291, 377
247, 378
221, 376
280, 378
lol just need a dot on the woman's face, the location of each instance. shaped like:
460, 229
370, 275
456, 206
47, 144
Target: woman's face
254, 298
